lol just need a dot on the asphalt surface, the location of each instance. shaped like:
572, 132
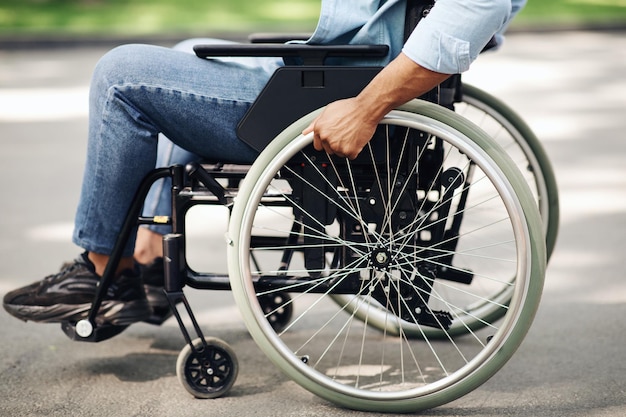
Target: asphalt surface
569, 86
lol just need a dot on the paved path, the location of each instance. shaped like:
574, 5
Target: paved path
571, 88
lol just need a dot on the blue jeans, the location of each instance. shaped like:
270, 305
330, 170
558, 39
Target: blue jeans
139, 91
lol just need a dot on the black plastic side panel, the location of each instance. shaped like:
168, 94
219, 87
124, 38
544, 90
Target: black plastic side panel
293, 92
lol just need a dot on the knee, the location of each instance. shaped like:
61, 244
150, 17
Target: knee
121, 64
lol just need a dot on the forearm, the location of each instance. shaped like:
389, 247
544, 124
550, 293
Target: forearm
399, 82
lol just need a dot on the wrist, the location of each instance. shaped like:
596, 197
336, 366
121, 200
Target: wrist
372, 106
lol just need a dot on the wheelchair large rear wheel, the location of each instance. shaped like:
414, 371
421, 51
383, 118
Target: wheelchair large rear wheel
432, 227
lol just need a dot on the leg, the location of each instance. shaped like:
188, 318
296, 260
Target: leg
148, 245
138, 92
129, 111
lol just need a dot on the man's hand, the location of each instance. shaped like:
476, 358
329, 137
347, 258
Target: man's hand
343, 128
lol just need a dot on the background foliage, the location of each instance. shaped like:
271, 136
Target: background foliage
197, 17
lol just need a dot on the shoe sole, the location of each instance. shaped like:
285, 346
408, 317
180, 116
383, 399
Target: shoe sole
111, 312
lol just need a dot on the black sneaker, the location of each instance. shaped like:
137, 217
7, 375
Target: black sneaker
67, 297
153, 276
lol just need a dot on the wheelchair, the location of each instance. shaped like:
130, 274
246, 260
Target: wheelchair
395, 282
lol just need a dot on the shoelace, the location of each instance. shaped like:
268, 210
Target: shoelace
66, 269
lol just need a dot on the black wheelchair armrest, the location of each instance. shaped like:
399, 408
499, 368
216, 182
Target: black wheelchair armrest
309, 54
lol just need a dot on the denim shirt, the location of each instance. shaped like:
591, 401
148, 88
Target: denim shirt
447, 40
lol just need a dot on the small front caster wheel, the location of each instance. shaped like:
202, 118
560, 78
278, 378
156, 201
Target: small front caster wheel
209, 370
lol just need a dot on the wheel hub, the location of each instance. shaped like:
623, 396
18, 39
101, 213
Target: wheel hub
380, 259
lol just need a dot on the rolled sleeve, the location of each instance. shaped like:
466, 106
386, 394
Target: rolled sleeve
452, 35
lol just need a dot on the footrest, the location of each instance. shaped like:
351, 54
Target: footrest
99, 333
436, 319
462, 276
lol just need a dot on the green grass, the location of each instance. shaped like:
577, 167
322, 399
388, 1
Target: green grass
146, 17
572, 12
140, 17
